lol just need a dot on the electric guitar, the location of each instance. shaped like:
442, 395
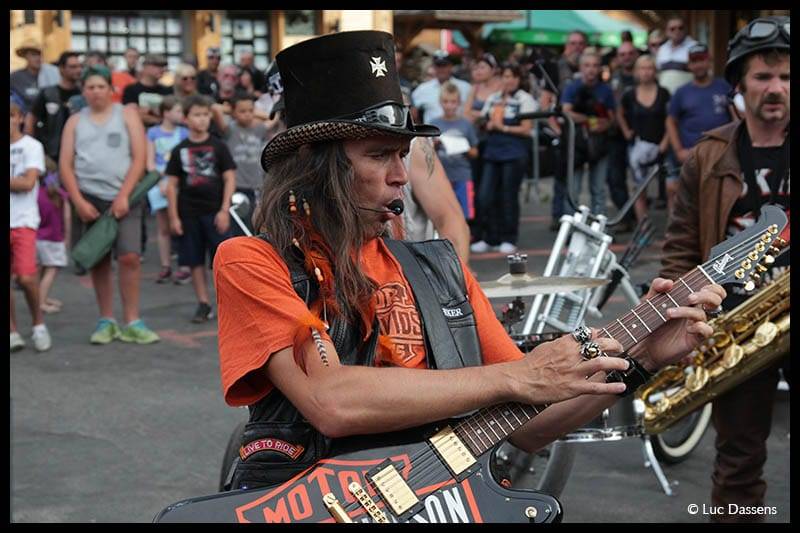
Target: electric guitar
441, 472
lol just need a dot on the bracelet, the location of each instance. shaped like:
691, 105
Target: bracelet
634, 377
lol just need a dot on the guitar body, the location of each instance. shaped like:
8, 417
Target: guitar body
473, 496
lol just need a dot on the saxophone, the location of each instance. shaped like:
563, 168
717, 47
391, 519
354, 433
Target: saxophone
746, 339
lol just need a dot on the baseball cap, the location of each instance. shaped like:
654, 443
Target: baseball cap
698, 51
155, 59
440, 57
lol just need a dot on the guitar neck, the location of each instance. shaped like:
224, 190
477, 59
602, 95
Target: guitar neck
492, 425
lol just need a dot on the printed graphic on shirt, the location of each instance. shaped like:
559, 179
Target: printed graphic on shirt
399, 320
198, 164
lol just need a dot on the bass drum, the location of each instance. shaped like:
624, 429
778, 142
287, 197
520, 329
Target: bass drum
546, 470
674, 444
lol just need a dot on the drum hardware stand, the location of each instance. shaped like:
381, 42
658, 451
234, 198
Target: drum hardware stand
581, 248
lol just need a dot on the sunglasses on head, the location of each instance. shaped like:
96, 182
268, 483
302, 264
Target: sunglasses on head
394, 115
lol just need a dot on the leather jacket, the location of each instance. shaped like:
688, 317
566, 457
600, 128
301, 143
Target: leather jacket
710, 183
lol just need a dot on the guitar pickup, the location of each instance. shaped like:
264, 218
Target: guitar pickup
394, 490
452, 451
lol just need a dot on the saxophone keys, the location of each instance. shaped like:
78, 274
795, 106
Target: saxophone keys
765, 333
733, 354
697, 380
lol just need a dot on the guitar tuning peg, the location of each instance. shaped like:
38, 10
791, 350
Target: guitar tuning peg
749, 286
768, 259
760, 268
774, 249
755, 276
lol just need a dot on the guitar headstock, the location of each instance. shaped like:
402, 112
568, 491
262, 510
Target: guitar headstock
742, 258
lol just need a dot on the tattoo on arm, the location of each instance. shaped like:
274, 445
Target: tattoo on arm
427, 147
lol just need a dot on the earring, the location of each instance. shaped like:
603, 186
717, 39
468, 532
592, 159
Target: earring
306, 207
292, 202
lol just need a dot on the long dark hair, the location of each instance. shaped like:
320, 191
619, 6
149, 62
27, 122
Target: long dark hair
322, 175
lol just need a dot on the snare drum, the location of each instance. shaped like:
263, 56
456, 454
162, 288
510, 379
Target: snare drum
618, 422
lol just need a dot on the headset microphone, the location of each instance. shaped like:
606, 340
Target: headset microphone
395, 206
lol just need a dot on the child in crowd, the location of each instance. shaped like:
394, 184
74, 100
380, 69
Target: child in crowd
455, 160
202, 179
161, 139
245, 138
54, 214
26, 165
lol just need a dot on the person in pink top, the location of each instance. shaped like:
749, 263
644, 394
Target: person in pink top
50, 248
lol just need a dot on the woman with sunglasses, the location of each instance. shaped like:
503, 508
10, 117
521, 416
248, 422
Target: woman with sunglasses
185, 81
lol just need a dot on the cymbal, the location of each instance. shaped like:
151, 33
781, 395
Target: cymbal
511, 285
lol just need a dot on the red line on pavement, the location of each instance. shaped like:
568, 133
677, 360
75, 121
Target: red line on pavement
187, 340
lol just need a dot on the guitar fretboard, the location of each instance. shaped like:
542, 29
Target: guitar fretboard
491, 425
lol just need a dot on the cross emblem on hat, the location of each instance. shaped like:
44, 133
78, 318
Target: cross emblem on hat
378, 67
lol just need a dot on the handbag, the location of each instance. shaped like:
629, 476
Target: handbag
98, 239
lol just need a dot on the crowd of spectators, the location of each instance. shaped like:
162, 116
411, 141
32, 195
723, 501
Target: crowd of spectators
100, 128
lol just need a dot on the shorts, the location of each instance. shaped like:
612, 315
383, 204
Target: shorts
51, 253
673, 166
22, 243
129, 234
200, 235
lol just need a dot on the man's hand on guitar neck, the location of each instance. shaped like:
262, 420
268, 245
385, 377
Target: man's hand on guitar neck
685, 329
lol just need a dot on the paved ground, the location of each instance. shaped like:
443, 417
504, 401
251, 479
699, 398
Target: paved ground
116, 433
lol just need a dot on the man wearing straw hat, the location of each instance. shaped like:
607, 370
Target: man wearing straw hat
28, 81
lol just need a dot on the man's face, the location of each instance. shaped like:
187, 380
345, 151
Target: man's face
34, 58
198, 118
676, 30
132, 58
574, 46
213, 62
699, 66
246, 59
443, 72
626, 55
227, 79
71, 71
153, 71
379, 175
590, 69
766, 89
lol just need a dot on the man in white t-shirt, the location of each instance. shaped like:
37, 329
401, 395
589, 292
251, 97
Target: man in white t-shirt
27, 164
672, 60
425, 97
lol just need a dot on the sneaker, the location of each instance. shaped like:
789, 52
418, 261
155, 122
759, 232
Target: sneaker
203, 313
165, 275
480, 247
182, 277
17, 342
41, 338
106, 331
139, 333
507, 248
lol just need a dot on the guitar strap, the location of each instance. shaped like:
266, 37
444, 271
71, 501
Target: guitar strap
443, 352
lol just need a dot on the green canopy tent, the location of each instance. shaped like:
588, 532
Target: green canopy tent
548, 27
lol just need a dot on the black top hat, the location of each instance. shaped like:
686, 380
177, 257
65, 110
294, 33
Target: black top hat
341, 86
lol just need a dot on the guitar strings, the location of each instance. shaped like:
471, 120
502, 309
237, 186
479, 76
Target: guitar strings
428, 458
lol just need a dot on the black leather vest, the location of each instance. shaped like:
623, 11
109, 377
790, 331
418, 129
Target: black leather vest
278, 442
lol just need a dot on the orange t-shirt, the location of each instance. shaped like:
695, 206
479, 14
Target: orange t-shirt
119, 80
258, 312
